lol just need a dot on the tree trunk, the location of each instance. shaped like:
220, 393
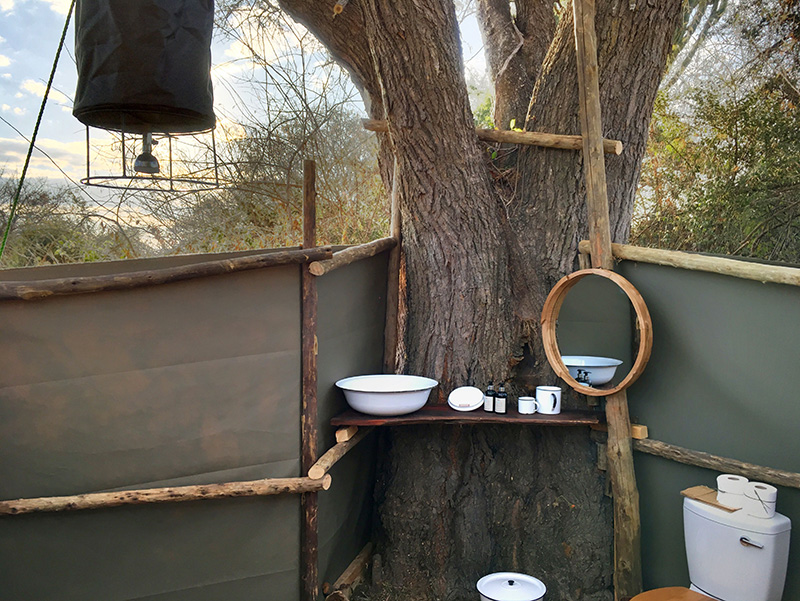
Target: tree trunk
482, 249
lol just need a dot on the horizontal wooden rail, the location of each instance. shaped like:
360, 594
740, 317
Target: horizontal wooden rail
531, 138
351, 255
335, 453
759, 272
174, 494
717, 463
23, 290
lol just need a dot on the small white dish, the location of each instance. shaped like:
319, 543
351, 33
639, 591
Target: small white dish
465, 398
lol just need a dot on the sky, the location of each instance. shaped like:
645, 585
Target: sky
29, 36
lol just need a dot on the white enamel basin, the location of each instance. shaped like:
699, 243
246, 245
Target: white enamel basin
386, 394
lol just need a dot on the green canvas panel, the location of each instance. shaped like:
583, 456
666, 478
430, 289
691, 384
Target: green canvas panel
721, 379
211, 550
352, 308
186, 383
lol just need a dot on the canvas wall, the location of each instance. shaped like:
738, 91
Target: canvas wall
184, 383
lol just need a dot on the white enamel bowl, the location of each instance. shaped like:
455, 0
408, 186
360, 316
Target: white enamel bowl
389, 394
600, 369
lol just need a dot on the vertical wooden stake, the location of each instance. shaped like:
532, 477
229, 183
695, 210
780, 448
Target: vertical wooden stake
309, 537
627, 524
592, 131
390, 333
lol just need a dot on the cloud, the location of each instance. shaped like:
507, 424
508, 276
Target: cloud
6, 5
37, 88
68, 155
4, 60
19, 111
59, 6
6, 75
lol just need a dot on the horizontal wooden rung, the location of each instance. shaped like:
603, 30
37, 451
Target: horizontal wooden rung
530, 138
638, 431
173, 494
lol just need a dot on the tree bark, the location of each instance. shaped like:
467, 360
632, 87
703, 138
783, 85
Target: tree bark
515, 48
482, 247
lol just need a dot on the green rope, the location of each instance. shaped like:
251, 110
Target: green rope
15, 202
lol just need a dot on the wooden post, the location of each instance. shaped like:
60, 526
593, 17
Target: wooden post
594, 169
391, 329
309, 537
627, 524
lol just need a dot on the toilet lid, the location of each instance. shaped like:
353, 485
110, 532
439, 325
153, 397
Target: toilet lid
671, 593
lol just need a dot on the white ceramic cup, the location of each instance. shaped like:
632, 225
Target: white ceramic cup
548, 399
526, 405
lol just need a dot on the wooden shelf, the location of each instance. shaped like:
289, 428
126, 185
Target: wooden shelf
443, 414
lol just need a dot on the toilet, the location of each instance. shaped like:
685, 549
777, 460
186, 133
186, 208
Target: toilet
731, 556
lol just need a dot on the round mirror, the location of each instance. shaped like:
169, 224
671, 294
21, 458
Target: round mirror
591, 374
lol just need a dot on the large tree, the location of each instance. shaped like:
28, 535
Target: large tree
483, 244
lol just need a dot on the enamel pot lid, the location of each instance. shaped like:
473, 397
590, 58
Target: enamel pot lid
510, 586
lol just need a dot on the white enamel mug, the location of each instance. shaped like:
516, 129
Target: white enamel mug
548, 399
526, 405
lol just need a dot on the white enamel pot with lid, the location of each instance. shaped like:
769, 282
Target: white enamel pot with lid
510, 586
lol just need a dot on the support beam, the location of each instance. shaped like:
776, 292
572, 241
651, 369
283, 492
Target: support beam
529, 138
627, 522
335, 453
717, 463
392, 327
172, 494
351, 255
346, 433
309, 536
747, 270
100, 283
353, 575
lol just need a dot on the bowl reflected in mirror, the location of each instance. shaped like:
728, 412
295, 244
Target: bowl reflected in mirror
599, 370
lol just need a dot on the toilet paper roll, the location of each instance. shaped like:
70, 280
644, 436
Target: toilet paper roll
732, 483
730, 490
760, 499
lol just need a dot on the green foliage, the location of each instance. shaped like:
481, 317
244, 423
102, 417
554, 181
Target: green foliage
724, 178
53, 225
483, 113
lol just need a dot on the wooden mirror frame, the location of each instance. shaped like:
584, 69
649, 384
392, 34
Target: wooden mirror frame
552, 307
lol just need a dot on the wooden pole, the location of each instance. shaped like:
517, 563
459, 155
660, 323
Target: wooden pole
151, 277
351, 255
354, 574
592, 129
530, 138
717, 463
627, 521
346, 433
172, 494
759, 272
392, 327
309, 538
335, 453
627, 524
